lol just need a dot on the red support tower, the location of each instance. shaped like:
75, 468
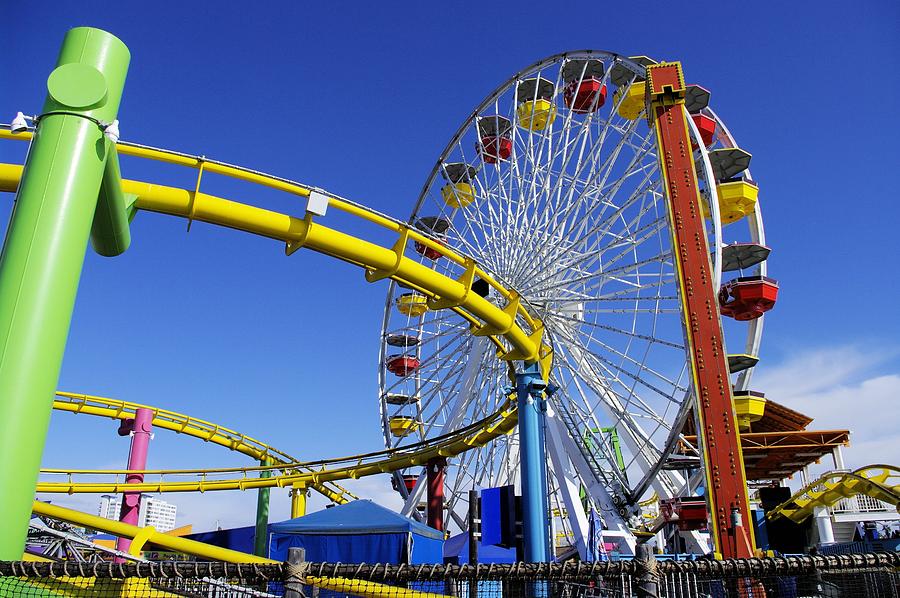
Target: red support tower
435, 488
730, 523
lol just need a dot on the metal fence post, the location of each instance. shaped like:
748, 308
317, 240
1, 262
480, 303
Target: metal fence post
295, 572
646, 572
474, 537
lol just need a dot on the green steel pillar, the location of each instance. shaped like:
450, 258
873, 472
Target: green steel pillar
261, 536
43, 254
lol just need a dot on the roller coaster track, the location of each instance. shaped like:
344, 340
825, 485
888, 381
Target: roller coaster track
305, 474
513, 330
191, 426
881, 482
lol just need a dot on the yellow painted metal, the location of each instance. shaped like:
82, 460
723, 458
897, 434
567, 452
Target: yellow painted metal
181, 202
194, 427
502, 324
737, 199
298, 500
275, 225
403, 425
124, 530
208, 551
458, 195
412, 304
206, 480
536, 115
368, 589
749, 409
631, 100
881, 482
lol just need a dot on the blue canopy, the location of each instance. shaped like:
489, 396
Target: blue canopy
238, 538
357, 517
357, 532
456, 551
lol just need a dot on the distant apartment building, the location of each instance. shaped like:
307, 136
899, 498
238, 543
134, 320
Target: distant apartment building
155, 512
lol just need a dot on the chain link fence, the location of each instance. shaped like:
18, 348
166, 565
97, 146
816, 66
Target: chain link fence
852, 576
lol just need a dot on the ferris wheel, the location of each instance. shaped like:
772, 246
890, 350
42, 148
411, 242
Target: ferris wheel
553, 187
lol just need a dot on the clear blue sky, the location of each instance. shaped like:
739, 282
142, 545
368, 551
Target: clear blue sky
360, 98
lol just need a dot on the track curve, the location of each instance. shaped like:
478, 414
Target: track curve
191, 426
515, 332
314, 472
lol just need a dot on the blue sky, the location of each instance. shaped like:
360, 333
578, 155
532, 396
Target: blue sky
360, 99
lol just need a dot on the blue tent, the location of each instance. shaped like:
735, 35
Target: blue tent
357, 532
238, 538
456, 552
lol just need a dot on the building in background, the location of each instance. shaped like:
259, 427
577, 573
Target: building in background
154, 511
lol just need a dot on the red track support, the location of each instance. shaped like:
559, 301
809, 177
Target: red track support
436, 492
730, 522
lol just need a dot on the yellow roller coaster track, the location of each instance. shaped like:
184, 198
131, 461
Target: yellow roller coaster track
196, 428
515, 332
305, 474
881, 482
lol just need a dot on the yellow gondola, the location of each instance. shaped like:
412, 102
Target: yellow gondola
631, 100
458, 195
536, 110
737, 199
749, 407
403, 425
412, 304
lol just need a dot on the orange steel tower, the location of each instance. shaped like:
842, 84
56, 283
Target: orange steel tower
730, 523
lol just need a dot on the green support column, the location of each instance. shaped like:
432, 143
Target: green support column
261, 536
43, 255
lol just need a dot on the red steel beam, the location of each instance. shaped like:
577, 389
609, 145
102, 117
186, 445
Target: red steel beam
726, 484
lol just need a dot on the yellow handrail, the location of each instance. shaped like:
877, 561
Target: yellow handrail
191, 426
493, 321
357, 466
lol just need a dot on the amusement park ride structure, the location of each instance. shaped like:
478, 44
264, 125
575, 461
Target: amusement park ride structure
536, 244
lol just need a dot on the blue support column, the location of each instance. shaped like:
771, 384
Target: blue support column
532, 454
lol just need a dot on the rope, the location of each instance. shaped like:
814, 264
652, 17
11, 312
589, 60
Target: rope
568, 571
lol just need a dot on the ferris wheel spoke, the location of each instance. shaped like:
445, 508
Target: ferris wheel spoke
621, 402
598, 278
571, 321
598, 230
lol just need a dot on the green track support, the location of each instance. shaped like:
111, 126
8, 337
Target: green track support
261, 535
43, 255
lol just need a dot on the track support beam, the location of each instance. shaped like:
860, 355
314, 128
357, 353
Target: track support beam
435, 504
725, 479
532, 453
261, 533
140, 428
43, 256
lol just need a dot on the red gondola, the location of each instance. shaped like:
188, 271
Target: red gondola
495, 144
402, 365
432, 254
584, 91
436, 227
749, 297
707, 128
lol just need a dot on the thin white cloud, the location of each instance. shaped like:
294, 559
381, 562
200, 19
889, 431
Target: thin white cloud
842, 388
